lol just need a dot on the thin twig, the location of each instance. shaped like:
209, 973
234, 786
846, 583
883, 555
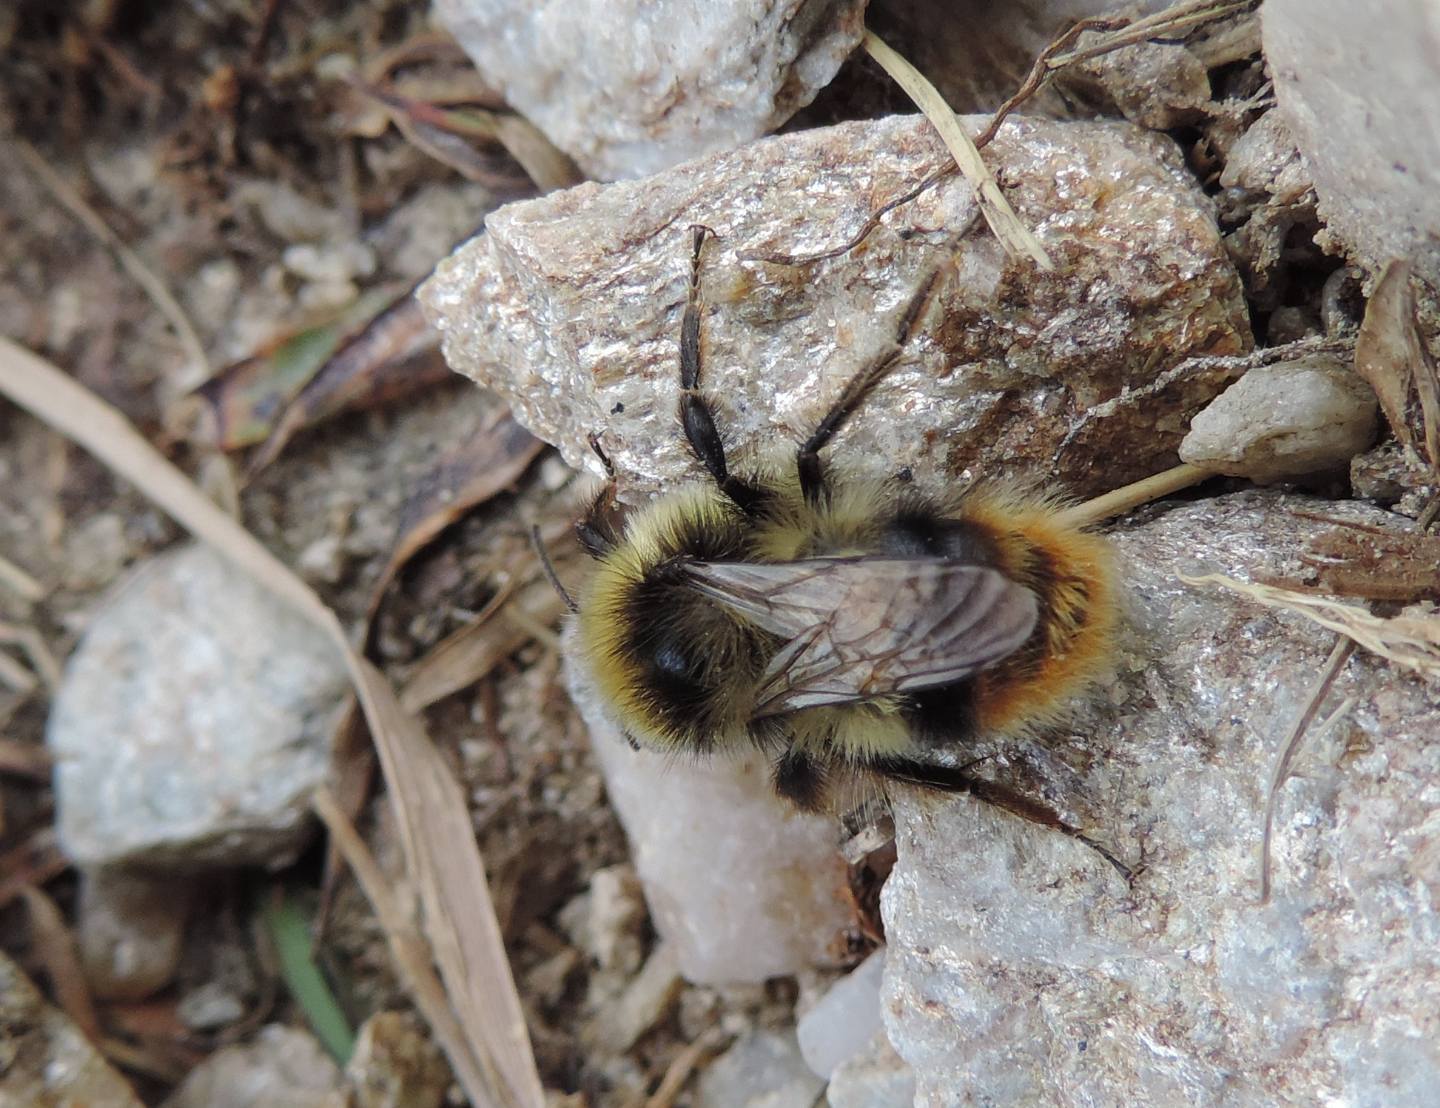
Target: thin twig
1339, 655
946, 171
1177, 17
133, 264
684, 1064
1046, 64
1040, 72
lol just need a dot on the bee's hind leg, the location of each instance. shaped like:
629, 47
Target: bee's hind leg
952, 780
801, 779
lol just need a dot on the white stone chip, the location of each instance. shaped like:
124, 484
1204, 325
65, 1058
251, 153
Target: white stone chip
845, 1019
1285, 420
739, 883
762, 1070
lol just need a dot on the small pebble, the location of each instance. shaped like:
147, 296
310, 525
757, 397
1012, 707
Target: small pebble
1286, 420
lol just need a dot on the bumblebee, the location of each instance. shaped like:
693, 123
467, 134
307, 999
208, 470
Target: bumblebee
846, 626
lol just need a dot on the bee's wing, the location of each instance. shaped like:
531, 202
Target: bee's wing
859, 628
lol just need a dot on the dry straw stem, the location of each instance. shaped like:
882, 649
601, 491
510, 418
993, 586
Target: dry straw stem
407, 947
1409, 641
26, 587
1125, 499
1013, 234
143, 275
441, 854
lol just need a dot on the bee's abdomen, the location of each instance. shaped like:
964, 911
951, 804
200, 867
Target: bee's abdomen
1072, 576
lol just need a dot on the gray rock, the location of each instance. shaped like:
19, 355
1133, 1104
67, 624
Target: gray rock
570, 305
280, 1066
1310, 415
763, 1070
1022, 970
44, 1058
1358, 90
629, 89
193, 721
131, 927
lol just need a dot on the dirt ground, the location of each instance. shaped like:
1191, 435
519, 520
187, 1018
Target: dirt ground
225, 143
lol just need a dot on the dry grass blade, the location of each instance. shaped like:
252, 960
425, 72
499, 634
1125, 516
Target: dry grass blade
55, 947
1013, 234
19, 582
439, 841
1339, 655
460, 659
16, 677
1409, 641
35, 861
30, 640
407, 947
154, 287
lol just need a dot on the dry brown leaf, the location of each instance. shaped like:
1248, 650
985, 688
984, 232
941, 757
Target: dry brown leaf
35, 861
440, 848
55, 947
24, 759
1391, 356
1382, 349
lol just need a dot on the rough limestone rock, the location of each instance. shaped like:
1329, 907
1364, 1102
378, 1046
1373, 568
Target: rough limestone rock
1022, 970
570, 305
631, 88
193, 721
1310, 415
1357, 86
